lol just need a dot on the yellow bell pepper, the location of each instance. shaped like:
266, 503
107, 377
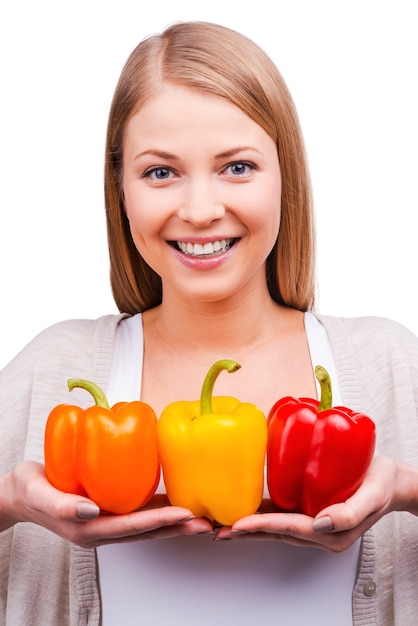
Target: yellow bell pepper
212, 453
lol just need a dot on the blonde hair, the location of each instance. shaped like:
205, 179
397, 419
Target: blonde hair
217, 60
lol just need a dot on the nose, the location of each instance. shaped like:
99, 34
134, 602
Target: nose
200, 204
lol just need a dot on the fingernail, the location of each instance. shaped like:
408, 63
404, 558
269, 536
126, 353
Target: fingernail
187, 519
87, 510
323, 524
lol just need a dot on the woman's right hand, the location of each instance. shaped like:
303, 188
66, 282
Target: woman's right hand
27, 496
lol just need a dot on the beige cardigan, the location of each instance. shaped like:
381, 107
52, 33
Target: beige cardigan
46, 581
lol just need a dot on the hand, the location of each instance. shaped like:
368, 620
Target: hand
388, 486
27, 496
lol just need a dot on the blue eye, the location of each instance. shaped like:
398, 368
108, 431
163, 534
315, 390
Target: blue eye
240, 168
157, 173
160, 173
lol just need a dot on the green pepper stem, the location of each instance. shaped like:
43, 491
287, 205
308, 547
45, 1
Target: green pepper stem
209, 382
324, 380
98, 395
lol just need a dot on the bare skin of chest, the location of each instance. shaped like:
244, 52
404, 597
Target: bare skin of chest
276, 366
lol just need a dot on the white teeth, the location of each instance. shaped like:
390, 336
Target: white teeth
198, 249
208, 248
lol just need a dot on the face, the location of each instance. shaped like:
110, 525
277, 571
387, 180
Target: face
202, 188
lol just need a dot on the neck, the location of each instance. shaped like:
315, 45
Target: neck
218, 326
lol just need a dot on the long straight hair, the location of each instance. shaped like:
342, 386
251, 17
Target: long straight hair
216, 60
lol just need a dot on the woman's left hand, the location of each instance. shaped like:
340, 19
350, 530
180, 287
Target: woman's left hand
388, 486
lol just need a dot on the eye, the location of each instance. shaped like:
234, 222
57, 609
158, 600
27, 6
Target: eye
239, 169
157, 173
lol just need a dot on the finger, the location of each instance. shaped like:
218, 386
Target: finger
55, 503
282, 523
187, 528
139, 521
261, 536
107, 530
58, 511
67, 507
294, 529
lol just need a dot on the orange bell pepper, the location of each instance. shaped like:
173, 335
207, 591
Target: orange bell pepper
212, 453
108, 455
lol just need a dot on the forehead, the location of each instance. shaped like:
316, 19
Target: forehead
175, 113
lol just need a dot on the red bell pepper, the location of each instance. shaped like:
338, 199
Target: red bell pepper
317, 454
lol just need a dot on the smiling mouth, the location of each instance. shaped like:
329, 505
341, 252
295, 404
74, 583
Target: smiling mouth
204, 249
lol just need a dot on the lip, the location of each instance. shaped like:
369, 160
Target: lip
204, 262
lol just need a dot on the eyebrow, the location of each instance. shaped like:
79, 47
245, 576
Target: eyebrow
162, 154
156, 153
237, 150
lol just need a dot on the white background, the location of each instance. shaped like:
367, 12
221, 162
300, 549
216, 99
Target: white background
352, 69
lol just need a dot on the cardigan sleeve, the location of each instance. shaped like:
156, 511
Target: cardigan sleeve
30, 386
377, 363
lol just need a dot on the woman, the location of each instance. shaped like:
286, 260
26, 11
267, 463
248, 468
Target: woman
211, 245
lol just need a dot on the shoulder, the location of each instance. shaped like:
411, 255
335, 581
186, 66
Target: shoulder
369, 332
377, 365
78, 334
375, 342
70, 337
81, 346
361, 323
36, 379
376, 358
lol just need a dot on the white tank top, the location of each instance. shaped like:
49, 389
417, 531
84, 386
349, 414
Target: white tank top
194, 580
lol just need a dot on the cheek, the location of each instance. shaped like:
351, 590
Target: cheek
132, 202
263, 207
137, 207
139, 223
272, 201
